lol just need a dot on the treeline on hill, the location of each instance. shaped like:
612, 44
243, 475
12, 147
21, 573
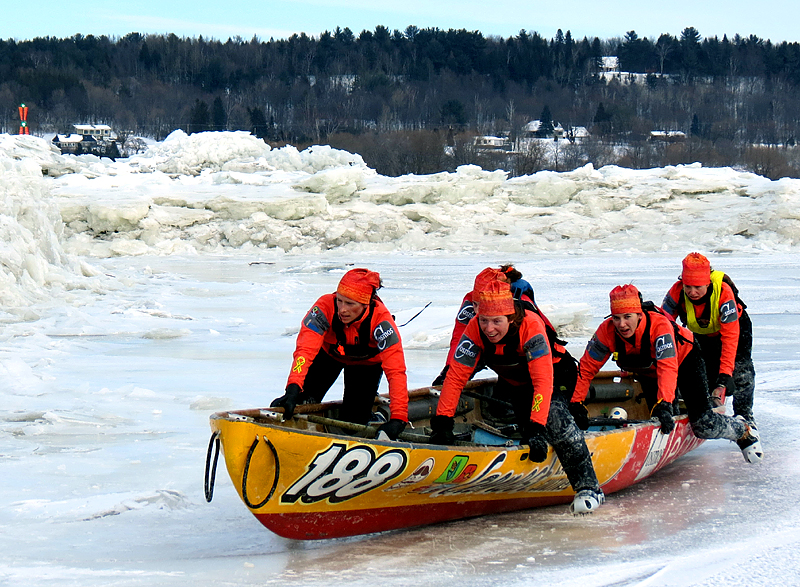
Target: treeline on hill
399, 98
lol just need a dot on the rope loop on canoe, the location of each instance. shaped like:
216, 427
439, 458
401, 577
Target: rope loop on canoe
208, 485
253, 446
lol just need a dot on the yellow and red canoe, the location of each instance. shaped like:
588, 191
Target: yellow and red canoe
304, 479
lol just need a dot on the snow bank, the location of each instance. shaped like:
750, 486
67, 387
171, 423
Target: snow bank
32, 259
218, 192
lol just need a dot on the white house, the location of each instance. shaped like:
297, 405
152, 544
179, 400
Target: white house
668, 136
97, 139
610, 64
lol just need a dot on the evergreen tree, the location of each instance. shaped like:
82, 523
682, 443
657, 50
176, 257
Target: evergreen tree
453, 112
258, 122
602, 119
199, 118
219, 119
545, 123
695, 129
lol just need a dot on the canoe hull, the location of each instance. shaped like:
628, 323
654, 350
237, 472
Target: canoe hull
307, 484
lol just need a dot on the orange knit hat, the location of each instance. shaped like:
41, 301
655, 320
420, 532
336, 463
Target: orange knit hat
359, 285
495, 299
696, 270
625, 300
483, 279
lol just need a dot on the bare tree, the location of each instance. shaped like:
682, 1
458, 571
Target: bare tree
530, 157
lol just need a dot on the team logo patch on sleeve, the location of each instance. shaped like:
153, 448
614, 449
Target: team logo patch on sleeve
467, 352
466, 313
385, 335
728, 313
665, 347
597, 350
536, 347
316, 321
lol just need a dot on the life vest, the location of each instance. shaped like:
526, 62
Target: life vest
708, 321
556, 344
643, 360
510, 364
361, 350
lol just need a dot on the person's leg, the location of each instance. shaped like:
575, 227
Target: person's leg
744, 373
519, 396
649, 390
711, 351
321, 375
360, 388
565, 375
694, 390
569, 444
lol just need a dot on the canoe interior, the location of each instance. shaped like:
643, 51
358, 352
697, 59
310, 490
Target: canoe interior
480, 418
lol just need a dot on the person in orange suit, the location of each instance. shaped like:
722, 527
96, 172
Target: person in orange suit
512, 341
707, 303
564, 365
663, 357
350, 330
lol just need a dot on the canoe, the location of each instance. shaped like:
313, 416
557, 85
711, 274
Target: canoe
317, 477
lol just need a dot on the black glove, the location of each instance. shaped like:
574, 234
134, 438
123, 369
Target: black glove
440, 377
723, 380
288, 401
533, 435
580, 414
392, 428
442, 430
663, 411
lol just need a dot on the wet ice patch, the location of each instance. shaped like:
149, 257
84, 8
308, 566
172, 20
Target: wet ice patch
210, 403
166, 333
101, 506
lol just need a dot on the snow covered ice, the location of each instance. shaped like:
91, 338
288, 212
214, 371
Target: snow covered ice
141, 295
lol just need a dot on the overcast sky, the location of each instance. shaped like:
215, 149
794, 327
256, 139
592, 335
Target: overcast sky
769, 19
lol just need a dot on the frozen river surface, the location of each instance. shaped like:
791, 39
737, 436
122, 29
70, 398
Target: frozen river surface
104, 429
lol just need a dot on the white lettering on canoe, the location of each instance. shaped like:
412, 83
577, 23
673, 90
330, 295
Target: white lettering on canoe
339, 476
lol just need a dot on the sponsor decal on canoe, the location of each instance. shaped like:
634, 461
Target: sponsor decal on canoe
338, 474
548, 477
420, 474
458, 471
456, 465
664, 448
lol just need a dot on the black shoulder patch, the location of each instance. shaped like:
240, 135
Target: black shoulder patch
385, 335
728, 312
536, 347
316, 321
467, 352
466, 312
665, 347
597, 350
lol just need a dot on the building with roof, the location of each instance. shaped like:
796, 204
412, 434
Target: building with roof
94, 139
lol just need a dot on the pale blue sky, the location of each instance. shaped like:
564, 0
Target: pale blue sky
768, 19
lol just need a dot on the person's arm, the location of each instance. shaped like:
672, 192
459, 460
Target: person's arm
465, 313
309, 340
594, 357
387, 336
466, 356
671, 303
729, 335
665, 353
533, 338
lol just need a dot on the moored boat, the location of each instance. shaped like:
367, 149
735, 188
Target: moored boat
316, 477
